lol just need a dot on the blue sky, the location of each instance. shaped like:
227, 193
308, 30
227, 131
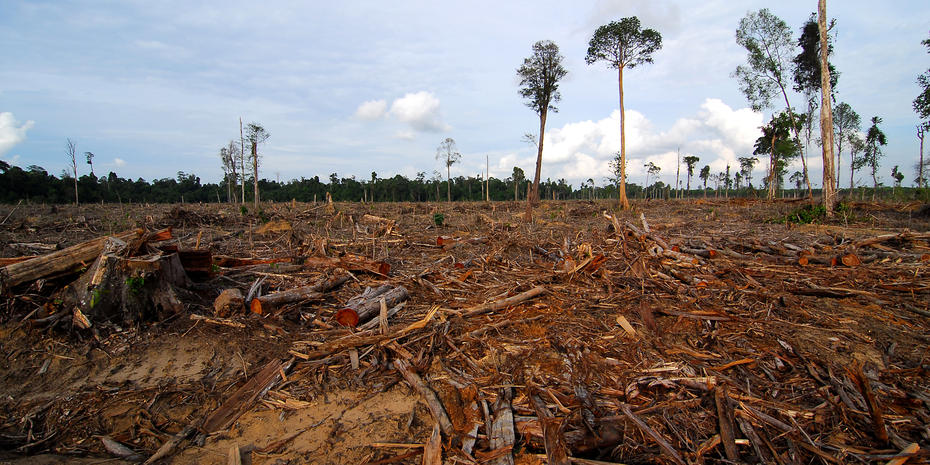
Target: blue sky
153, 88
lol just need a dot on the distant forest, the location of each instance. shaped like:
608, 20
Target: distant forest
35, 185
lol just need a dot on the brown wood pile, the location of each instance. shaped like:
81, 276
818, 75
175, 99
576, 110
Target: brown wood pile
685, 333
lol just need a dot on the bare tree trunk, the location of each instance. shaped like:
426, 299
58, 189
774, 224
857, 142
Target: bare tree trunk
826, 113
448, 183
921, 181
624, 202
255, 173
72, 149
677, 173
772, 168
534, 197
487, 178
242, 160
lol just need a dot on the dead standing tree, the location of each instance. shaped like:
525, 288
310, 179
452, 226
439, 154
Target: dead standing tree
255, 134
623, 44
71, 150
448, 153
826, 112
539, 85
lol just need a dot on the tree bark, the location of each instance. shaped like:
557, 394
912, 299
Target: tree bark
624, 202
826, 112
448, 183
773, 166
921, 181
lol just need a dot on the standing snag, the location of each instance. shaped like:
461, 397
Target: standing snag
623, 44
256, 134
448, 153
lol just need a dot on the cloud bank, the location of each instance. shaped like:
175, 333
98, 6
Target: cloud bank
419, 111
716, 133
11, 132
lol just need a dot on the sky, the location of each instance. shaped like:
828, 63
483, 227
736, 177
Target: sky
154, 88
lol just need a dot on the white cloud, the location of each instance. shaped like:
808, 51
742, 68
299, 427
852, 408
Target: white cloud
371, 110
119, 162
11, 132
716, 133
420, 110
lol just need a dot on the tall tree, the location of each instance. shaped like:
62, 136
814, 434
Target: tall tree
539, 85
827, 83
856, 146
228, 160
690, 160
874, 141
89, 156
255, 134
651, 170
777, 143
704, 175
770, 47
236, 159
448, 153
808, 79
242, 159
623, 44
745, 165
897, 176
71, 151
845, 121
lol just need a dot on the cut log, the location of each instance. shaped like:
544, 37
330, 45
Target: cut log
229, 301
367, 305
503, 303
58, 262
267, 303
232, 262
197, 263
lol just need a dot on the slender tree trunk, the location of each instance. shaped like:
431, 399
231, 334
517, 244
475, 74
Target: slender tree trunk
255, 173
487, 178
772, 167
448, 183
874, 180
534, 197
852, 171
826, 113
624, 202
838, 138
921, 181
241, 160
677, 173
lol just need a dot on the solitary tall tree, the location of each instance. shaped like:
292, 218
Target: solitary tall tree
448, 154
690, 160
771, 48
255, 134
704, 175
623, 44
89, 156
71, 150
845, 121
856, 146
874, 141
539, 85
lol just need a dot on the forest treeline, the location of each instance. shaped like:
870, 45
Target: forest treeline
34, 184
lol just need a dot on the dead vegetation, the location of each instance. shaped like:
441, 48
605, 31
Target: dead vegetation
688, 332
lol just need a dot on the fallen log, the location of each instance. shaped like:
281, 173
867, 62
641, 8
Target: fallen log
267, 303
234, 262
241, 400
59, 261
429, 396
367, 305
503, 303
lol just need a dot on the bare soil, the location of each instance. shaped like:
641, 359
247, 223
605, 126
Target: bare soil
785, 339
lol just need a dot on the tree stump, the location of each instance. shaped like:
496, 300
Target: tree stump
127, 290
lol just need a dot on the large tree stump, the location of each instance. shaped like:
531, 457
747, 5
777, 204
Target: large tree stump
127, 290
